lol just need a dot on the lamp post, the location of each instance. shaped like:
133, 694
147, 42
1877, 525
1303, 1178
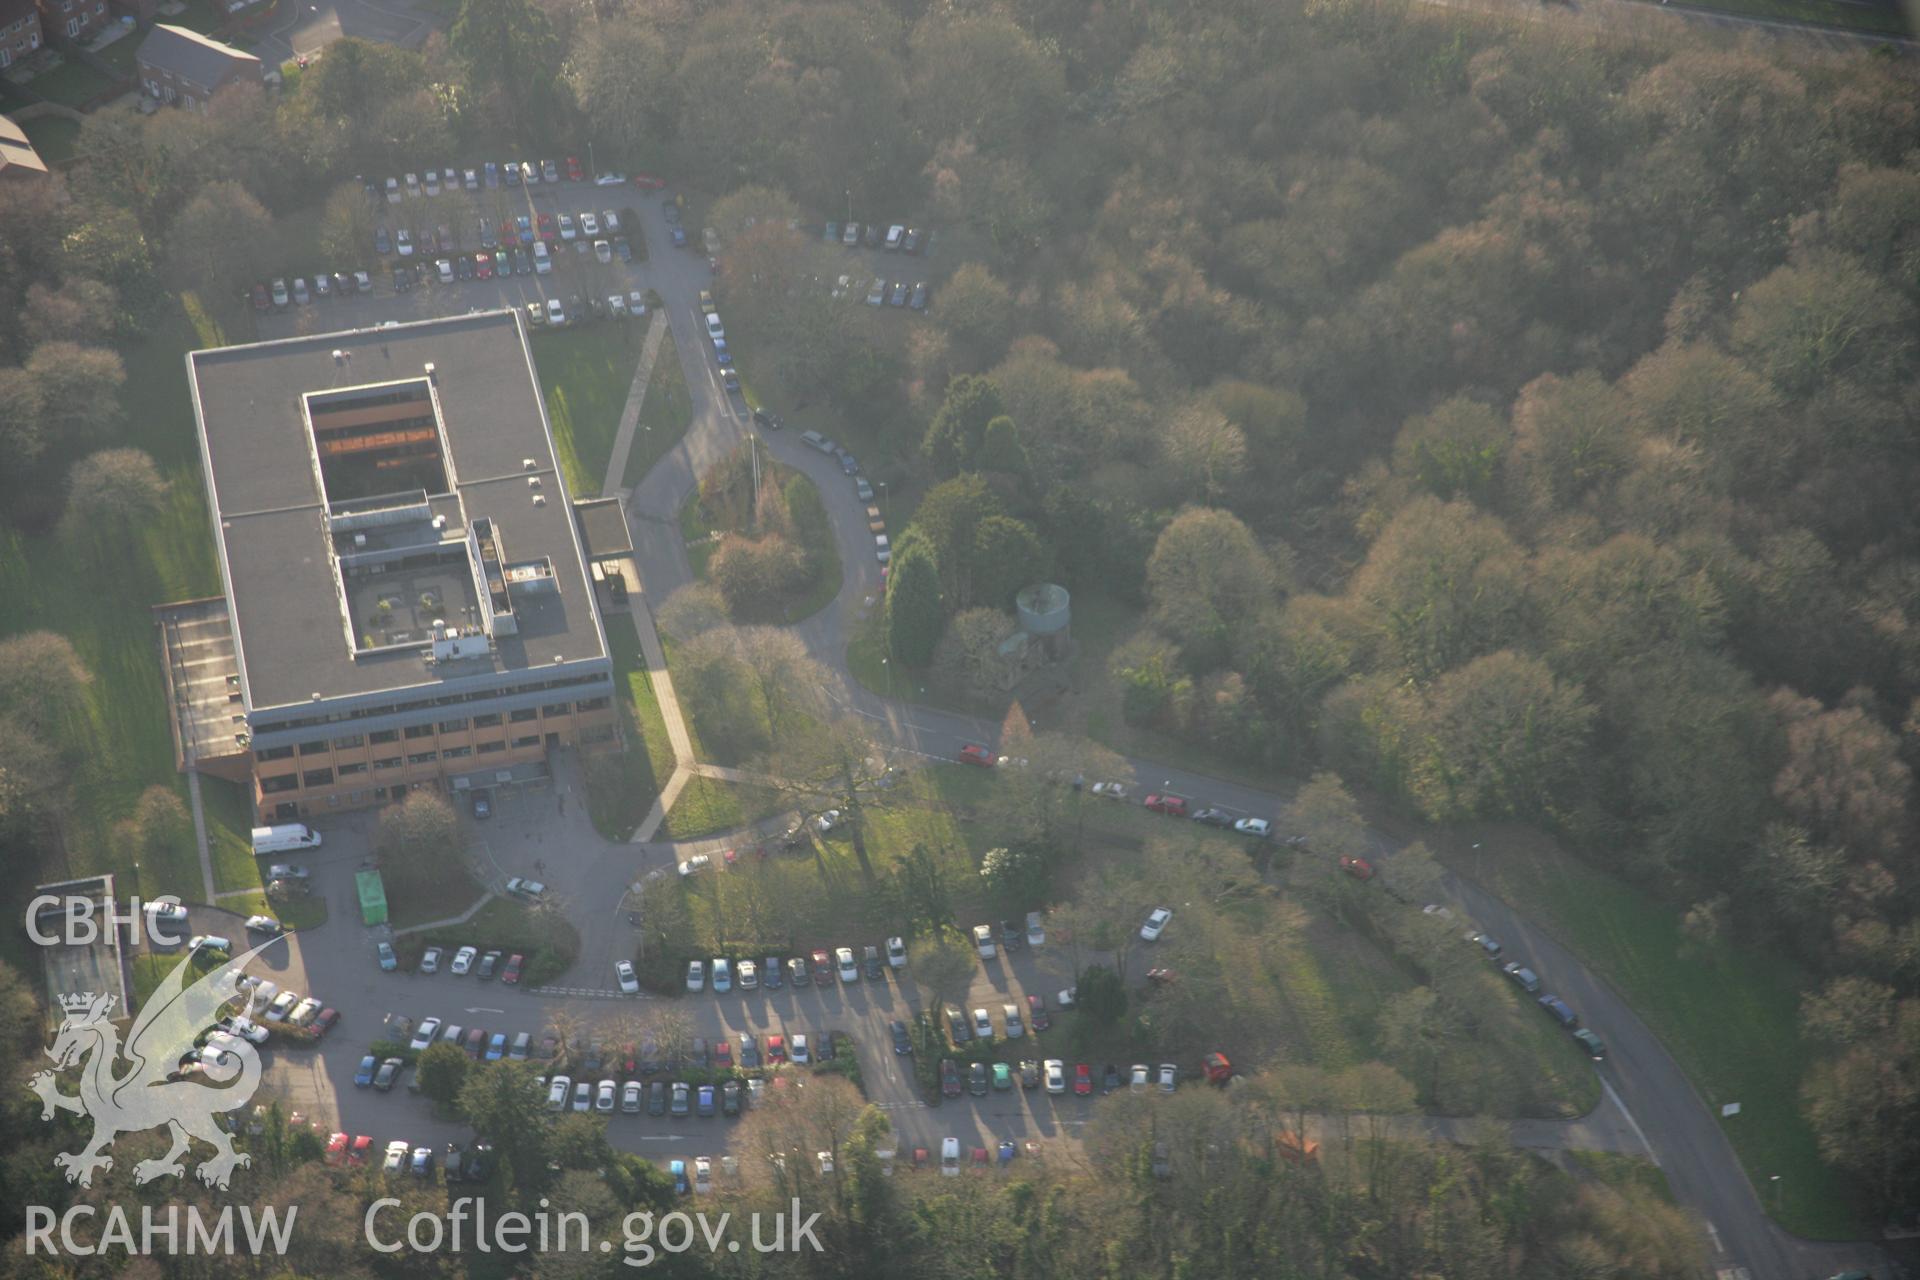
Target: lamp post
1777, 1192
849, 204
886, 507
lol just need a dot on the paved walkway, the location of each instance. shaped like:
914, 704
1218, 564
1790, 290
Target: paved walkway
636, 396
200, 835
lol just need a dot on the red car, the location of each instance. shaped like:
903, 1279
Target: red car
260, 299
361, 1149
336, 1153
510, 976
483, 267
647, 182
1037, 1013
324, 1023
1358, 868
949, 1078
776, 1048
1171, 805
547, 231
574, 172
1082, 1079
722, 1055
980, 1158
974, 753
822, 968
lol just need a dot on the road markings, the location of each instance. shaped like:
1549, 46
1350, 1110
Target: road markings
486, 1011
590, 992
1637, 1130
1714, 1232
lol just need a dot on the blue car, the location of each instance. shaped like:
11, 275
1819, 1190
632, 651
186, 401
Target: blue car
623, 248
388, 961
382, 242
705, 1107
721, 356
493, 174
512, 172
523, 227
849, 465
364, 1076
497, 1047
679, 237
678, 1169
770, 976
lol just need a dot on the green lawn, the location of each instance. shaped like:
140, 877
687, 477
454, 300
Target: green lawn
309, 912
53, 137
708, 806
229, 814
621, 791
585, 374
664, 415
72, 83
1729, 1014
447, 900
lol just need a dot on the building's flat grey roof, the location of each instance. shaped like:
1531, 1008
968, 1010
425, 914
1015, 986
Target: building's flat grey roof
289, 634
190, 54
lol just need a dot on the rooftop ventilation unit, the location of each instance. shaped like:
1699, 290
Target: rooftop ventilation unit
533, 482
528, 464
539, 499
431, 375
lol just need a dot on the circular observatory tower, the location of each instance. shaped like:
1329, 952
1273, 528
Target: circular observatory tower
1046, 614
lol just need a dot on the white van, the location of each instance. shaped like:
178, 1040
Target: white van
283, 839
542, 260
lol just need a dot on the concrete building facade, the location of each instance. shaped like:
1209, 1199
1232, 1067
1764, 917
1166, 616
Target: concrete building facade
406, 584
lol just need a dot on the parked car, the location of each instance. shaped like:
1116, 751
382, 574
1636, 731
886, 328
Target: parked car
1171, 805
1155, 925
1562, 1012
1527, 979
1358, 868
1259, 828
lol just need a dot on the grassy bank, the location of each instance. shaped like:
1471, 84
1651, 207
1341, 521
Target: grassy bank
665, 414
585, 373
622, 787
1729, 1014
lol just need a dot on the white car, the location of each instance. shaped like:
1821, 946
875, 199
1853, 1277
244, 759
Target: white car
722, 976
1036, 930
826, 1162
1138, 1080
1169, 1077
882, 548
247, 1029
1111, 790
827, 821
424, 1033
521, 887
263, 924
557, 1090
1156, 925
589, 224
696, 976
609, 180
702, 1175
797, 1049
430, 960
1056, 1073
747, 976
304, 1012
413, 184
842, 286
403, 242
629, 982
556, 313
393, 191
1258, 827
982, 1026
1015, 1028
897, 952
698, 862
399, 1150
567, 229
630, 1098
603, 1100
463, 960
849, 971
714, 328
950, 1157
282, 1006
582, 1096
983, 939
288, 870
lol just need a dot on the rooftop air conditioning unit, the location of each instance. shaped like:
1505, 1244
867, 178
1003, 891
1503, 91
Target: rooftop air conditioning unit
528, 464
539, 499
359, 539
533, 482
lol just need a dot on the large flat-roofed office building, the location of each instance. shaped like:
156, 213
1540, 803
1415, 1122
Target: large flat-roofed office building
406, 587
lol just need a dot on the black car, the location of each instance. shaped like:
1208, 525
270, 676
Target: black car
769, 420
488, 963
876, 969
730, 1098
1214, 818
402, 280
672, 212
749, 1052
823, 1051
657, 1098
871, 236
522, 264
1011, 935
382, 241
1111, 1080
479, 1162
898, 298
463, 267
901, 1044
622, 248
977, 1079
919, 299
770, 973
911, 244
389, 1072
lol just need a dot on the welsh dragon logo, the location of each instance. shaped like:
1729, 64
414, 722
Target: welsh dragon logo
149, 1095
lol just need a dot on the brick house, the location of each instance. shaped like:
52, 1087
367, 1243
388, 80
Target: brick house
74, 19
19, 31
184, 67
